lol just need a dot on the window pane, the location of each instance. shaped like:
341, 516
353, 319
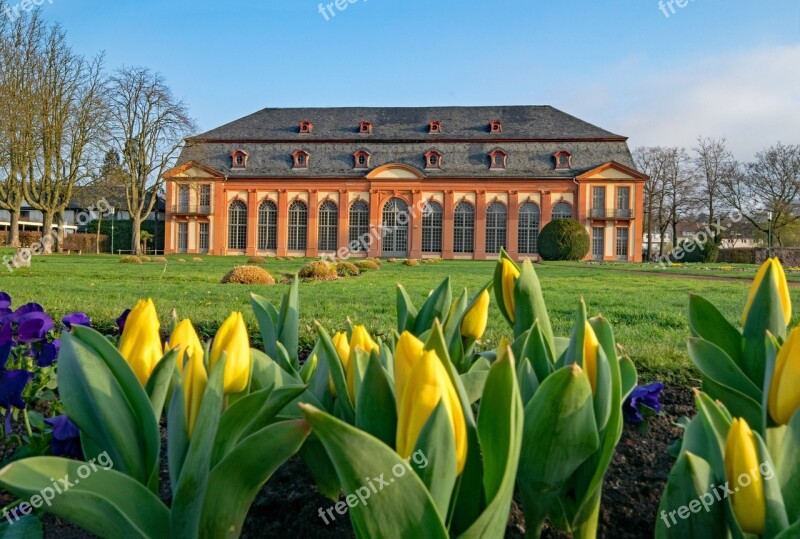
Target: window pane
495, 227
183, 237
205, 199
562, 210
395, 228
237, 226
529, 219
203, 238
183, 198
598, 243
298, 226
359, 227
328, 226
464, 228
267, 226
432, 221
622, 243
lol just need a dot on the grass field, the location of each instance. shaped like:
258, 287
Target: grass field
648, 311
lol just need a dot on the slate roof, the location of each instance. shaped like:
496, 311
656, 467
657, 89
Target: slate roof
530, 136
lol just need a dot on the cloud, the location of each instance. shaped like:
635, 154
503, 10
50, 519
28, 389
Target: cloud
751, 98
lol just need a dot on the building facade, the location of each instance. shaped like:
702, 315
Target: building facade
450, 182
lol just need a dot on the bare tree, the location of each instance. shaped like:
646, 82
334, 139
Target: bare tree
70, 113
713, 164
19, 61
770, 184
680, 187
148, 127
659, 164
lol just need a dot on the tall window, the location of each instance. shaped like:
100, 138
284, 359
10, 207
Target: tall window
183, 198
205, 199
464, 228
183, 237
529, 219
298, 226
267, 226
599, 198
496, 215
202, 239
624, 201
598, 243
359, 226
395, 228
328, 226
237, 226
622, 244
562, 210
432, 227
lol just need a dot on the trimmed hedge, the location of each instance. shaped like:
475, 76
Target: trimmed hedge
123, 232
564, 239
695, 252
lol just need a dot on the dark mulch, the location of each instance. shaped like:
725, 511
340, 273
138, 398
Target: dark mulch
289, 506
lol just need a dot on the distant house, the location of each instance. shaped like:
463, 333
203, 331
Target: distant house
31, 220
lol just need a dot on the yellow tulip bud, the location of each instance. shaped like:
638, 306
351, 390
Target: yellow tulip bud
359, 339
343, 350
421, 382
784, 398
195, 380
779, 277
474, 322
232, 338
741, 459
590, 347
185, 339
510, 274
140, 343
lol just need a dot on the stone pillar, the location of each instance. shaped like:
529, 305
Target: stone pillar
252, 222
415, 248
283, 223
512, 225
375, 223
313, 223
344, 219
480, 226
448, 222
546, 208
219, 240
169, 243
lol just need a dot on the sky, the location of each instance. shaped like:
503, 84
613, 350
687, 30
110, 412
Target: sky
659, 74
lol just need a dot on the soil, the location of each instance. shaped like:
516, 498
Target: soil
289, 505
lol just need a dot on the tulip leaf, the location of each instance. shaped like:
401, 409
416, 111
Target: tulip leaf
321, 468
177, 434
707, 323
695, 439
575, 352
776, 517
628, 376
528, 380
331, 357
288, 326
717, 423
500, 424
530, 306
772, 350
309, 367
406, 312
452, 322
400, 501
28, 527
690, 486
102, 395
437, 444
188, 497
436, 307
376, 408
473, 382
765, 315
792, 532
787, 467
106, 503
160, 382
737, 403
714, 363
267, 318
234, 483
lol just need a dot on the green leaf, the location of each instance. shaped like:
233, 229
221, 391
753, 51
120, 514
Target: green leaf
437, 444
102, 395
403, 506
28, 527
528, 381
188, 497
288, 326
104, 502
177, 434
406, 312
717, 422
234, 483
321, 468
787, 467
328, 351
309, 367
267, 318
765, 314
739, 404
707, 323
435, 307
530, 305
376, 408
776, 518
160, 381
714, 363
629, 377
473, 382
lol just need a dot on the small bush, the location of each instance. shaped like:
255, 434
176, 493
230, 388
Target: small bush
160, 259
248, 275
565, 239
130, 259
695, 252
145, 259
346, 269
197, 259
319, 271
255, 260
376, 261
432, 260
392, 261
367, 265
181, 260
411, 263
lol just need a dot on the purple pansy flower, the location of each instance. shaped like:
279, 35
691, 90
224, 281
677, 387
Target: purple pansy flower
643, 395
34, 326
47, 353
66, 438
26, 309
12, 384
121, 320
76, 319
6, 344
5, 300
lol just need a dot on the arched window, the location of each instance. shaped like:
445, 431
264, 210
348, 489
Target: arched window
432, 214
496, 215
359, 226
562, 210
267, 226
395, 228
328, 226
298, 226
237, 226
464, 228
529, 219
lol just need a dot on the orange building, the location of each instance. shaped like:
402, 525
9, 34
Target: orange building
449, 182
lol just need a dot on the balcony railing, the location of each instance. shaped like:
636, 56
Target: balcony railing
619, 213
191, 209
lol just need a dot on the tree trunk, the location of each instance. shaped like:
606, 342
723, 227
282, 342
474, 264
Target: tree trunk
13, 230
674, 234
61, 233
48, 238
136, 234
649, 238
99, 225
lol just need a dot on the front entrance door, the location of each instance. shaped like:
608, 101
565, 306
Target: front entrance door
395, 229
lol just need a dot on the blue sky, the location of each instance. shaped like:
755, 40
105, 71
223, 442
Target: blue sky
719, 68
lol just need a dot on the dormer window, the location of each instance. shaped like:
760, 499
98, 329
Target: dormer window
239, 159
361, 159
306, 128
563, 160
433, 160
435, 127
498, 159
496, 126
365, 128
301, 158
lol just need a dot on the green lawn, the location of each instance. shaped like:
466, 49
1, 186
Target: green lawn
648, 311
728, 271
